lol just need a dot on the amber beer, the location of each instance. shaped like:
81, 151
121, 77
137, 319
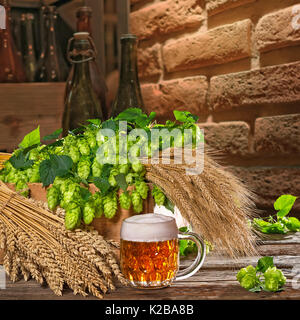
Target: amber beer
150, 251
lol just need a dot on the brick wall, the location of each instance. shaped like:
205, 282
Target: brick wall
236, 64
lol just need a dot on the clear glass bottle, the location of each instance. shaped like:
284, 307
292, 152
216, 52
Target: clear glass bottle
53, 66
11, 65
84, 15
129, 91
81, 102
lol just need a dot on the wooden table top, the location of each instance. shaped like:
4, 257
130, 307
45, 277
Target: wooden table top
215, 280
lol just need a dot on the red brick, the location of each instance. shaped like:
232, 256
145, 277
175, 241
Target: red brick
149, 61
278, 135
227, 137
182, 94
165, 17
216, 6
220, 45
269, 183
276, 84
275, 30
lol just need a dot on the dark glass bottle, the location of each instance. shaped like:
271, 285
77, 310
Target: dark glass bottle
11, 66
81, 102
129, 92
29, 48
84, 15
53, 66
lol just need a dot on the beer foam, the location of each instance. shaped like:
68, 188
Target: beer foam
149, 228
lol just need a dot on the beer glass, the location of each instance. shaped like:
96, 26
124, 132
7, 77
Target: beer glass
149, 252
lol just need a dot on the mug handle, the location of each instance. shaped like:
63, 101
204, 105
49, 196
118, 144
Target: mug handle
197, 264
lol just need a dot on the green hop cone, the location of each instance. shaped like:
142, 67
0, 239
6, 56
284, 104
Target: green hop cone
83, 168
72, 192
247, 277
34, 154
137, 202
34, 174
53, 197
159, 196
88, 212
83, 147
142, 188
98, 203
125, 200
22, 188
111, 179
91, 139
110, 205
137, 167
96, 168
124, 168
74, 153
274, 279
72, 216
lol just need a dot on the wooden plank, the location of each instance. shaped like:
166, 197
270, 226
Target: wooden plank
205, 285
24, 106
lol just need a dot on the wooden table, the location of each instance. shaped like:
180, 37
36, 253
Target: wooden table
216, 279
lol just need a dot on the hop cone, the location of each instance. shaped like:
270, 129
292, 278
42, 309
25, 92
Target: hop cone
125, 200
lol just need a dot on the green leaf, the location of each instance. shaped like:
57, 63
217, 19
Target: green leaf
184, 229
85, 194
53, 136
53, 167
183, 244
275, 228
264, 263
109, 124
284, 204
19, 161
136, 115
102, 184
185, 116
106, 170
121, 181
258, 288
152, 115
96, 122
32, 138
293, 224
169, 205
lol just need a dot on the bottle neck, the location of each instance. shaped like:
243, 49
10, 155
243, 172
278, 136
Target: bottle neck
51, 33
84, 24
29, 32
129, 71
81, 73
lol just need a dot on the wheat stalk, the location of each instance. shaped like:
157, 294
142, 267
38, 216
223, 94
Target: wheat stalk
215, 202
37, 245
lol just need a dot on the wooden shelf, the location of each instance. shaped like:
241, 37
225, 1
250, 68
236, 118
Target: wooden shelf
24, 106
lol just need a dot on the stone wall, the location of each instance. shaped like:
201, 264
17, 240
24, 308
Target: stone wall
236, 64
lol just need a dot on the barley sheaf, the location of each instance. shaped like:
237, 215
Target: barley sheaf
38, 246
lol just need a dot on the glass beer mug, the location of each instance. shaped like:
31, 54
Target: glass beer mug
150, 251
